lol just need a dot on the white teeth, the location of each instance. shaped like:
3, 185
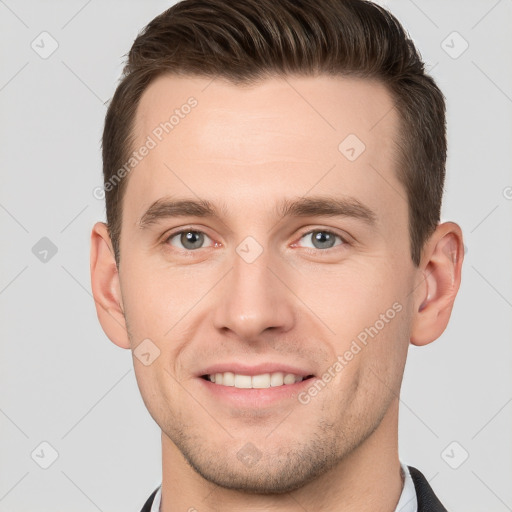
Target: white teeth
265, 380
228, 379
243, 381
289, 378
276, 379
261, 381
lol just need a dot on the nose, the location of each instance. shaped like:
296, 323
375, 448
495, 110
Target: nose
255, 298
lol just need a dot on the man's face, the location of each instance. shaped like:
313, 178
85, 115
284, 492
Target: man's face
252, 292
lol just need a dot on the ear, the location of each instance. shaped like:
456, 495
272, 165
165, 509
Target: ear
105, 287
439, 281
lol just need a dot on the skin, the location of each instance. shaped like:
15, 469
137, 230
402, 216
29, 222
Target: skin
247, 148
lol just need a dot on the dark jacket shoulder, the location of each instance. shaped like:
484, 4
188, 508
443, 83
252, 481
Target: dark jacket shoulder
427, 500
149, 502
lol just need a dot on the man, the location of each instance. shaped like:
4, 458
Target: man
273, 176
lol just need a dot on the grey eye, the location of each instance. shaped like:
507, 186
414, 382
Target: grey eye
189, 239
322, 239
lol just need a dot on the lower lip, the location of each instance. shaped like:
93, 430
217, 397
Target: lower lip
256, 397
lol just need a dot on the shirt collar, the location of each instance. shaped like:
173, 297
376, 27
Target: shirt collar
408, 501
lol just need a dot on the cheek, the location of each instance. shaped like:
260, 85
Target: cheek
365, 310
159, 306
353, 297
385, 350
372, 369
149, 387
151, 299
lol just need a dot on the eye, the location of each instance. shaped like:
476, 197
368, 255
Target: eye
192, 239
322, 238
187, 239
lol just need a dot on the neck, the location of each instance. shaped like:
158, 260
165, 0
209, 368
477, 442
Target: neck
367, 479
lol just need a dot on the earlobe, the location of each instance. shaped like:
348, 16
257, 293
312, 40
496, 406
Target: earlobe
106, 288
439, 283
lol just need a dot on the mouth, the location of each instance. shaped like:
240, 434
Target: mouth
261, 381
237, 384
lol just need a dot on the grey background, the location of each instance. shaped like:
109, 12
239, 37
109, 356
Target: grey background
64, 383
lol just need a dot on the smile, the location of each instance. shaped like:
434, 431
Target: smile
262, 381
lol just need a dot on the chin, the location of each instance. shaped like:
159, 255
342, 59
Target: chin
271, 470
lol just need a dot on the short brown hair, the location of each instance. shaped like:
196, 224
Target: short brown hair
245, 41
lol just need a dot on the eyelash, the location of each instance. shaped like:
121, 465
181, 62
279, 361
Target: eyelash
309, 249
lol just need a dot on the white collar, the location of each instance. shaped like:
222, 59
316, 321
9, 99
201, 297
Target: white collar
155, 507
407, 502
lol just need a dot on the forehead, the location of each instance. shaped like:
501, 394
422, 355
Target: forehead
283, 136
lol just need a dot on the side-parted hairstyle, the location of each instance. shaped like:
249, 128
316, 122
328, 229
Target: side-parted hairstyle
246, 41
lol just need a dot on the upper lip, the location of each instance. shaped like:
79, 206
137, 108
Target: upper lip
258, 369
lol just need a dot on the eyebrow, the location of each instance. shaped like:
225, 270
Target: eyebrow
165, 208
